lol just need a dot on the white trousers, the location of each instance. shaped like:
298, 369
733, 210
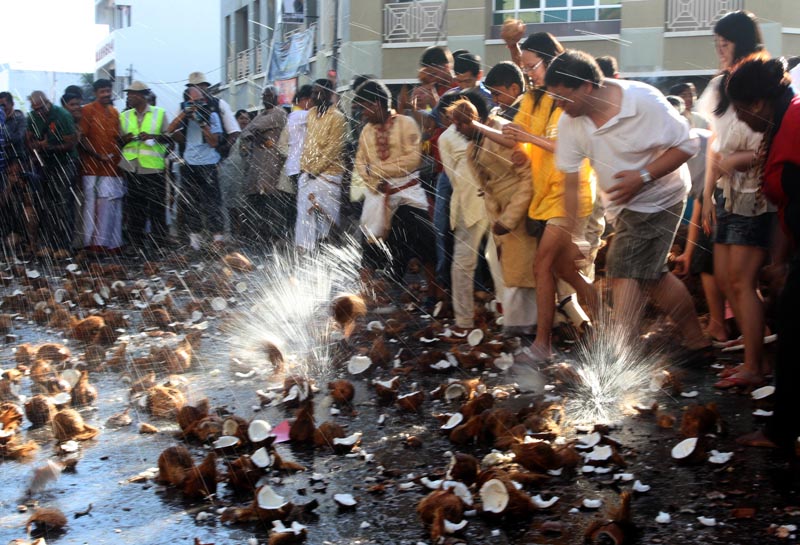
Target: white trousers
102, 211
519, 307
466, 244
318, 203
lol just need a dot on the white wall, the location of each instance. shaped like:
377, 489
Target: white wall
21, 83
165, 42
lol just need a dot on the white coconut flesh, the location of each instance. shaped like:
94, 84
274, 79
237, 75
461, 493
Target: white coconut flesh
261, 458
98, 299
592, 503
226, 441
432, 485
454, 420
259, 430
453, 527
71, 376
460, 490
219, 304
589, 441
348, 441
358, 364
663, 518
345, 500
763, 392
268, 499
541, 503
454, 391
388, 383
375, 326
684, 449
475, 337
61, 398
441, 365
638, 486
230, 427
504, 361
70, 446
60, 295
494, 496
296, 528
599, 453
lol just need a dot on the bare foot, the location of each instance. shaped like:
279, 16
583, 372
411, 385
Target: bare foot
756, 439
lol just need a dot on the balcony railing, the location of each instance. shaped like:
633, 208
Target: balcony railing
417, 21
239, 64
694, 15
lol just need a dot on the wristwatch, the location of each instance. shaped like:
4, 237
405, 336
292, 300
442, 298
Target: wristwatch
646, 176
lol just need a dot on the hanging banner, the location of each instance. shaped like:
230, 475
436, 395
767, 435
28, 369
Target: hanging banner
286, 90
290, 57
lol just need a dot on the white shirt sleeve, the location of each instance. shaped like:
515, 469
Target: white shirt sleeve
569, 152
228, 119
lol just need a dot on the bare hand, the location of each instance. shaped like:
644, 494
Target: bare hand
500, 229
519, 158
709, 216
681, 264
382, 187
628, 185
516, 132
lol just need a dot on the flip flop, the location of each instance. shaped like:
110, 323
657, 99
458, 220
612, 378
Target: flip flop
730, 371
738, 344
738, 382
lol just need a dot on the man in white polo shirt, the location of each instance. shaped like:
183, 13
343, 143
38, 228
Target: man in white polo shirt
638, 146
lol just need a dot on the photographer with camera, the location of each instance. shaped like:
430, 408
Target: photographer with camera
199, 131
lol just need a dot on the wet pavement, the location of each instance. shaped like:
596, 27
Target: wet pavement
383, 473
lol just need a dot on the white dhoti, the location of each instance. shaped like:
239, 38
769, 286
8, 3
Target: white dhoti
318, 203
379, 208
102, 211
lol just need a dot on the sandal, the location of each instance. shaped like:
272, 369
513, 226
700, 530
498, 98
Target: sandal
735, 381
730, 371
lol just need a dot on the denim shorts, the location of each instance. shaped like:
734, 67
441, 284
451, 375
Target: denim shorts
738, 230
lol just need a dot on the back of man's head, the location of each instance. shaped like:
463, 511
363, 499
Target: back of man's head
505, 74
467, 63
436, 55
608, 66
374, 91
572, 69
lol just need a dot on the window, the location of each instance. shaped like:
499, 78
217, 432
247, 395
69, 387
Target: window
557, 11
122, 17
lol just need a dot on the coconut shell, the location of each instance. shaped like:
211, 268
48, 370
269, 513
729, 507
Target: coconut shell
201, 481
243, 474
69, 425
280, 464
466, 432
188, 415
14, 450
346, 309
42, 371
207, 428
39, 410
326, 433
538, 456
24, 355
699, 420
164, 402
274, 355
386, 395
411, 403
478, 405
464, 468
60, 318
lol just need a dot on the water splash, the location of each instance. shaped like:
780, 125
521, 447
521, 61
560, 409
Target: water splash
613, 367
289, 306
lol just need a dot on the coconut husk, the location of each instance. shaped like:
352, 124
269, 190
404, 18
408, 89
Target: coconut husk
11, 416
14, 450
41, 371
83, 393
60, 318
173, 464
69, 425
53, 352
84, 330
105, 336
94, 357
379, 353
326, 433
145, 383
201, 480
6, 323
498, 422
118, 356
342, 391
464, 468
477, 405
302, 429
274, 356
538, 456
466, 432
24, 355
46, 520
699, 420
207, 428
114, 318
618, 529
287, 538
8, 390
386, 395
346, 309
40, 410
243, 474
156, 317
438, 506
288, 466
164, 402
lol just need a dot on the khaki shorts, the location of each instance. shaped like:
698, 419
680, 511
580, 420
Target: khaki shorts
578, 235
641, 243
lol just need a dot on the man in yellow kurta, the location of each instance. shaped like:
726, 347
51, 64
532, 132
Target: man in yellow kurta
321, 166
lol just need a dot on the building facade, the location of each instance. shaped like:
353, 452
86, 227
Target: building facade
21, 83
159, 43
652, 39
